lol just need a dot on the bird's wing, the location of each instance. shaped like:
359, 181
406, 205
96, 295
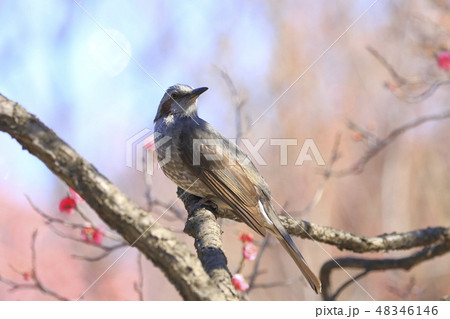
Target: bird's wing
225, 177
235, 189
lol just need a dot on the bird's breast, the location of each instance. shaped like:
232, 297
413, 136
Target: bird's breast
169, 153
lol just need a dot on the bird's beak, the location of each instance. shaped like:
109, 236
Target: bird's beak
198, 91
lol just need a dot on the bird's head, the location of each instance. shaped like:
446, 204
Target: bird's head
179, 99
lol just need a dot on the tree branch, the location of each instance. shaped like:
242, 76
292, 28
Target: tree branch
370, 265
138, 228
139, 284
182, 267
203, 227
404, 84
361, 244
32, 275
380, 144
357, 243
343, 240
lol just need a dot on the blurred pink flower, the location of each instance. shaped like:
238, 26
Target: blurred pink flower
67, 204
92, 235
250, 251
246, 237
357, 136
239, 282
444, 60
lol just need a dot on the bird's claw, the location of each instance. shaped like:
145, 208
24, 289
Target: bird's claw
203, 201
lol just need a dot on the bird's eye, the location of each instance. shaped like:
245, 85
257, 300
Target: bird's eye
175, 95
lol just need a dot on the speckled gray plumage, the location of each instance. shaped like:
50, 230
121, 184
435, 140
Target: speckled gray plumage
232, 182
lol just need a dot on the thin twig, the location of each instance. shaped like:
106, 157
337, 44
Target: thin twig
106, 253
348, 283
50, 220
152, 202
326, 176
370, 265
37, 283
84, 216
238, 102
139, 284
397, 77
90, 243
428, 92
255, 271
380, 144
403, 83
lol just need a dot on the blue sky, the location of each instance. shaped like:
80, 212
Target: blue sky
59, 63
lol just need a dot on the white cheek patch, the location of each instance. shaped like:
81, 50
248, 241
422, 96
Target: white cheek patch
169, 119
263, 212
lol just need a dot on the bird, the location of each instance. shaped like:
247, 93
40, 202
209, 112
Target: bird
203, 162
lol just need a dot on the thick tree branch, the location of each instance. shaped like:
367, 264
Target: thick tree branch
440, 236
182, 267
361, 244
139, 229
357, 243
203, 227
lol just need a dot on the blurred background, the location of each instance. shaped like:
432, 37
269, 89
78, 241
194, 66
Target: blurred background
57, 61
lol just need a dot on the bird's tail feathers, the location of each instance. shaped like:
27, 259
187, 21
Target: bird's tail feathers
282, 235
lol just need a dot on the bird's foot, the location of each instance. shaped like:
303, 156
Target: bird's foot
203, 201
